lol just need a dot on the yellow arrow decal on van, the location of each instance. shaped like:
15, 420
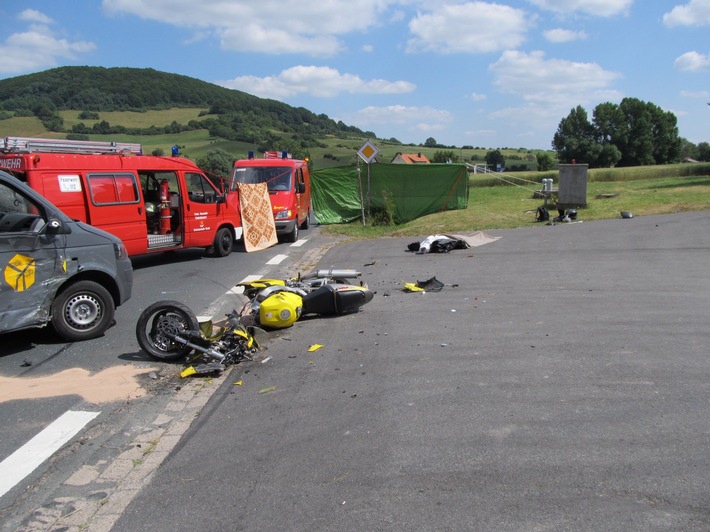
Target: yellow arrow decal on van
20, 272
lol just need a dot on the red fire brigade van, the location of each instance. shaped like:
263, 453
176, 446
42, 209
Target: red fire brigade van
289, 186
151, 203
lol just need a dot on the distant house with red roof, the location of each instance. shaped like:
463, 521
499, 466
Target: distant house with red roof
410, 158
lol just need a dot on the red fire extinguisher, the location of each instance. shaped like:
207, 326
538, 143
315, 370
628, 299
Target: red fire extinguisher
164, 207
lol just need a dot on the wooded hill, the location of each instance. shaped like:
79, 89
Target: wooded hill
229, 114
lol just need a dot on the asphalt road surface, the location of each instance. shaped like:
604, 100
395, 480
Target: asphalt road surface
75, 406
559, 381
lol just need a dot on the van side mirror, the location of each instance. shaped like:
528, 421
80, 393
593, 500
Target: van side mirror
300, 188
219, 198
53, 227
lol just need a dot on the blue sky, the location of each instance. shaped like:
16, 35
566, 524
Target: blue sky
489, 74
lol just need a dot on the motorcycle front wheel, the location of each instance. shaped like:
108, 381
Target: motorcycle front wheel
159, 323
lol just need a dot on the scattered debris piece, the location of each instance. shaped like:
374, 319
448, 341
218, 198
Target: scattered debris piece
542, 214
431, 285
626, 214
412, 287
438, 244
568, 216
188, 371
238, 383
314, 347
268, 390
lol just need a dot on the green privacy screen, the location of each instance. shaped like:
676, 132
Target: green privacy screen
411, 190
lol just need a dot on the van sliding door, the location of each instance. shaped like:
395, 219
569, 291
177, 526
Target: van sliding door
116, 207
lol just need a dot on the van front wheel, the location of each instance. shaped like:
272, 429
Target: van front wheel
82, 311
293, 235
223, 242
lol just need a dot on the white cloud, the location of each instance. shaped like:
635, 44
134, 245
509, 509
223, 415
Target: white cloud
692, 62
560, 35
37, 17
694, 13
701, 95
475, 133
550, 82
414, 120
473, 27
476, 97
602, 8
322, 82
548, 89
257, 38
37, 48
265, 26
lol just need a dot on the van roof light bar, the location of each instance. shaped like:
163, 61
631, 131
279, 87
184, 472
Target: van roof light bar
31, 145
283, 154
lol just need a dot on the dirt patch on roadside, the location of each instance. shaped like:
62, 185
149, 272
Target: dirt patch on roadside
116, 383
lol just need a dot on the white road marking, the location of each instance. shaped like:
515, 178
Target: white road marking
236, 290
299, 243
250, 278
278, 259
28, 457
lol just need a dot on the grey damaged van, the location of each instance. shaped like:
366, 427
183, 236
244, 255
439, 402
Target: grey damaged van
56, 270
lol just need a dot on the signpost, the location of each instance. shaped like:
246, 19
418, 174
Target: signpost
367, 153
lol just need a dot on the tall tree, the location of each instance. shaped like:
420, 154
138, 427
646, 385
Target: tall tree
544, 162
638, 148
574, 139
495, 158
609, 124
704, 151
664, 129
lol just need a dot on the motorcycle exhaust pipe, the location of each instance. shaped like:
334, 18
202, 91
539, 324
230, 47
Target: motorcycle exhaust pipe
333, 273
204, 350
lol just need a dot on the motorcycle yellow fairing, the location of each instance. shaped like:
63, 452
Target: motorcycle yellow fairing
280, 310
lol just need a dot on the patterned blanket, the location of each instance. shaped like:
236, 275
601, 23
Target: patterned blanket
257, 217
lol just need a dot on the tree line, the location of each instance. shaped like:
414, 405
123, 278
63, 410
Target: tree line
632, 133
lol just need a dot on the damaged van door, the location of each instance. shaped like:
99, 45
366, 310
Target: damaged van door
55, 270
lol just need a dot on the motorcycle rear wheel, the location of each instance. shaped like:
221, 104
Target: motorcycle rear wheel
160, 320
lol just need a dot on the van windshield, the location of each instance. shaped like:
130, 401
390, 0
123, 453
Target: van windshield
276, 177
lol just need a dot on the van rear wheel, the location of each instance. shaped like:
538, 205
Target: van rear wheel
82, 311
223, 242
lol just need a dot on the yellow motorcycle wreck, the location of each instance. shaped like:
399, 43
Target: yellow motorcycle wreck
169, 330
277, 303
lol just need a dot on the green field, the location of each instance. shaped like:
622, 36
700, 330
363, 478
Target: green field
507, 206
196, 144
498, 201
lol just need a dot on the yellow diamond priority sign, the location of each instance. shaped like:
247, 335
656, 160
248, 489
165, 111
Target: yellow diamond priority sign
368, 152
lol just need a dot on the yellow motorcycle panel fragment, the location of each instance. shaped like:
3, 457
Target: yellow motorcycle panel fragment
187, 372
412, 287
